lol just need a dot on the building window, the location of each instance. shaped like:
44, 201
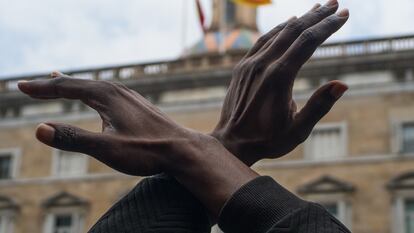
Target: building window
5, 167
65, 213
327, 141
339, 209
403, 214
402, 190
332, 208
68, 164
6, 222
407, 134
8, 163
332, 193
409, 216
64, 223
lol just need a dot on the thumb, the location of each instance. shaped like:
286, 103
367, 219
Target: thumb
70, 138
317, 107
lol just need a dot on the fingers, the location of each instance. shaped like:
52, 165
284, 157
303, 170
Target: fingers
304, 47
71, 138
317, 107
56, 74
315, 7
105, 148
96, 94
266, 38
295, 28
125, 154
59, 87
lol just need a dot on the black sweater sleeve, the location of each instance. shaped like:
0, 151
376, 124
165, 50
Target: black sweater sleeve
264, 206
158, 204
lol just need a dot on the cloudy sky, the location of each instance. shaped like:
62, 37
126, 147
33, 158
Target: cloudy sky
44, 35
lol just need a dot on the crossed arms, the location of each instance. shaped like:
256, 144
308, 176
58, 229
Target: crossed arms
259, 120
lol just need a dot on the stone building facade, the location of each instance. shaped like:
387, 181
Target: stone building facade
358, 162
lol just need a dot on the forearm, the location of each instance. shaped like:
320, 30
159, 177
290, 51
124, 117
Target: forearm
244, 202
157, 202
211, 173
264, 206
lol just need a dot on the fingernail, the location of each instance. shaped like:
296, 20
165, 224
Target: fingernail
292, 18
338, 90
315, 7
45, 133
343, 13
55, 74
21, 83
332, 3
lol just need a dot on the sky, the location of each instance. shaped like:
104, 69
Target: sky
46, 35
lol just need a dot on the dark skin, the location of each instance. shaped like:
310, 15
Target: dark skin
259, 117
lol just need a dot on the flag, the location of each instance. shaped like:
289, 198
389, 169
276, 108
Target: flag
254, 2
201, 16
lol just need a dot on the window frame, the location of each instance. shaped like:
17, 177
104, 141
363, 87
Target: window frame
55, 165
78, 215
398, 210
341, 200
15, 154
397, 143
7, 215
342, 126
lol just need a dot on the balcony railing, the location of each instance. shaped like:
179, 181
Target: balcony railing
366, 47
220, 61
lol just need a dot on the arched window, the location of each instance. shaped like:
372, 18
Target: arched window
402, 190
333, 194
65, 213
8, 211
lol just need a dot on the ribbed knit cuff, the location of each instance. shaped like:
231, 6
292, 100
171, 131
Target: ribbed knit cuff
257, 206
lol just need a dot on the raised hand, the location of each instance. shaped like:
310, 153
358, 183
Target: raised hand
259, 117
136, 137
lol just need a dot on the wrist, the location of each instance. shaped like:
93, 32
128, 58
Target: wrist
188, 153
209, 171
234, 147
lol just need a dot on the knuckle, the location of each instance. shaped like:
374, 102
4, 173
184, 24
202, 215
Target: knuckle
258, 66
331, 21
110, 87
295, 26
243, 67
239, 67
320, 11
281, 68
65, 137
309, 36
119, 85
59, 83
325, 10
262, 40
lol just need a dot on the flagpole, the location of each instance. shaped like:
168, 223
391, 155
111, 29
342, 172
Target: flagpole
223, 28
184, 24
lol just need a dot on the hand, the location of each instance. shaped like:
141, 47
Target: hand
136, 137
259, 117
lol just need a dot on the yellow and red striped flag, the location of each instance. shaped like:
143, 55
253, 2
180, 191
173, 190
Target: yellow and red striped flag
254, 2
